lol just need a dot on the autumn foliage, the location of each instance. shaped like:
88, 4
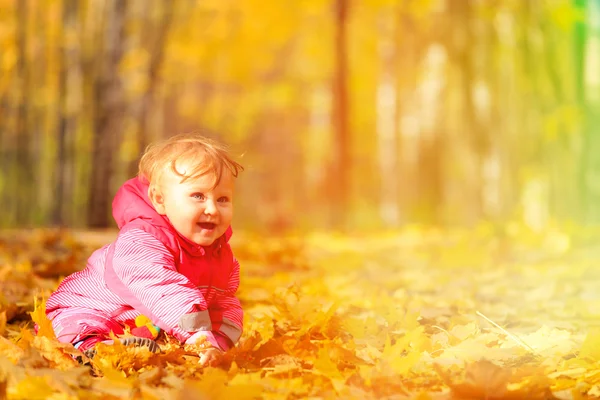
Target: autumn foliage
421, 313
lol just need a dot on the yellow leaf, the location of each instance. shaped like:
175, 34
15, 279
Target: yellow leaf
463, 332
325, 365
31, 388
114, 383
591, 345
10, 350
403, 365
38, 315
214, 386
59, 354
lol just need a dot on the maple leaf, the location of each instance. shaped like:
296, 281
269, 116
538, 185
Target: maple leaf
282, 365
590, 348
325, 365
38, 315
462, 332
115, 383
358, 320
486, 380
264, 328
60, 355
213, 386
483, 379
32, 388
10, 350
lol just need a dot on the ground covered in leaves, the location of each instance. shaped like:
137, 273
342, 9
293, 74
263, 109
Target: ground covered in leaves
421, 313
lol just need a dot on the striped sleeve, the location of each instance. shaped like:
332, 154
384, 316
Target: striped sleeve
147, 270
229, 308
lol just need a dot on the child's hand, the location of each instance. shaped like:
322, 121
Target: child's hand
211, 357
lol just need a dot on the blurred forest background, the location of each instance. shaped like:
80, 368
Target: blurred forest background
346, 113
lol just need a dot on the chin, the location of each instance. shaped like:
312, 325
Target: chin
204, 242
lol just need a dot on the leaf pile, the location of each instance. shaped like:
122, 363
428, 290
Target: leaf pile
421, 313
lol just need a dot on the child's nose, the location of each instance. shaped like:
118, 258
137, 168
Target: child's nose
210, 208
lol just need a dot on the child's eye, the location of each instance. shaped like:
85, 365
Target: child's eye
198, 196
223, 199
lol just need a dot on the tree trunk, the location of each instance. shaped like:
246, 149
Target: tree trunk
24, 168
67, 119
588, 197
460, 48
7, 153
156, 60
41, 204
110, 103
340, 168
405, 63
497, 126
5, 158
387, 116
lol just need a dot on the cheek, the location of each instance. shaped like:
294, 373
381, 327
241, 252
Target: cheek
227, 213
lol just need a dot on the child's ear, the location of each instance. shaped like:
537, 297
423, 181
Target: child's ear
157, 199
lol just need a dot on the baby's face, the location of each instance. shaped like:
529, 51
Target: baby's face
199, 212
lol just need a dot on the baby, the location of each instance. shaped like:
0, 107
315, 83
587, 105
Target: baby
171, 263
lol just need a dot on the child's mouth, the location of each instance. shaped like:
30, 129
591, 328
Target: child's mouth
207, 225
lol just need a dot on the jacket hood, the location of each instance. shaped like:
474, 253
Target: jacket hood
132, 203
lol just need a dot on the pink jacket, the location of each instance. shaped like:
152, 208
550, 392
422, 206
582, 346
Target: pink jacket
151, 269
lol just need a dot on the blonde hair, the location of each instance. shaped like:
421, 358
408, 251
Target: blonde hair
206, 155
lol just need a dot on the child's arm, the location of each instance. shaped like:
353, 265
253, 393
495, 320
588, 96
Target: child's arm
143, 274
226, 315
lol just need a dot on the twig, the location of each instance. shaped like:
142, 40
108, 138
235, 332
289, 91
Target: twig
510, 335
441, 329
